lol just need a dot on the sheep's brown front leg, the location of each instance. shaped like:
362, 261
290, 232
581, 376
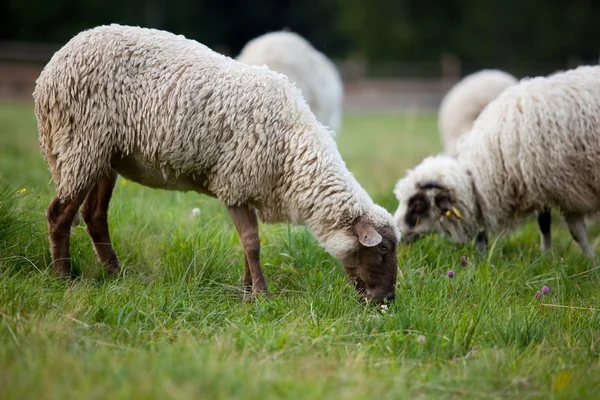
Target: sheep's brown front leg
60, 216
246, 224
95, 215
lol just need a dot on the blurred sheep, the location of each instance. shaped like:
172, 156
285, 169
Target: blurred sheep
316, 76
465, 101
535, 147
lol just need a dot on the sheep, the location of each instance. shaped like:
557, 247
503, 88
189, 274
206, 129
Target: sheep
169, 113
536, 146
316, 76
465, 101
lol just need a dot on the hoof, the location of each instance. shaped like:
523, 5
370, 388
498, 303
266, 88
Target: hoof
252, 296
246, 286
112, 270
63, 271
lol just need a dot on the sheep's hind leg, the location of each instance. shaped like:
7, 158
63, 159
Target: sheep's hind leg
544, 222
481, 242
246, 224
95, 215
247, 274
60, 216
579, 233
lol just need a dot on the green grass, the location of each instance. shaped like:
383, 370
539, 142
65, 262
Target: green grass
174, 326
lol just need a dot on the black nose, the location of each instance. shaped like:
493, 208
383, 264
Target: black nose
389, 297
380, 298
385, 298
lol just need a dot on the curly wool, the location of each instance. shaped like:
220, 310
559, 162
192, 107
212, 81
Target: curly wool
535, 147
465, 101
170, 113
316, 76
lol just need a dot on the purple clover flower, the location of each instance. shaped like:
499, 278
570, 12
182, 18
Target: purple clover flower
450, 274
538, 295
545, 289
463, 261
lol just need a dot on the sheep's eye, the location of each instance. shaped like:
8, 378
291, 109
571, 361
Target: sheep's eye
419, 207
418, 204
383, 247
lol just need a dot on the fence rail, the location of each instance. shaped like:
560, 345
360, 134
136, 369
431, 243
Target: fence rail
27, 52
385, 87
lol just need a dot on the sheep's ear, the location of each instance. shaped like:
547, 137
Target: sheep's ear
367, 235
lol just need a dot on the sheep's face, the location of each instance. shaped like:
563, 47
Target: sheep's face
428, 206
428, 210
368, 254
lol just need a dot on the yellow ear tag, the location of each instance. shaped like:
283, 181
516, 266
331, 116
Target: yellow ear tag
456, 212
448, 213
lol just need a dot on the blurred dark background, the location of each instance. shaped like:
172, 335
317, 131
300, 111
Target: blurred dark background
405, 40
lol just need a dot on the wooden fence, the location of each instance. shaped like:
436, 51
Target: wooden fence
390, 87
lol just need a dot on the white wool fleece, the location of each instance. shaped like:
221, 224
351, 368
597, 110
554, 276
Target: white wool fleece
316, 76
465, 101
535, 147
141, 100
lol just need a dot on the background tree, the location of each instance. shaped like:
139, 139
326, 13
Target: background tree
481, 33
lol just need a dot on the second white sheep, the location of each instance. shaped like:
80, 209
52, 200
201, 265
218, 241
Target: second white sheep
315, 75
466, 100
535, 147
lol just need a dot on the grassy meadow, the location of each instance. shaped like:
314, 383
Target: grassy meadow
173, 325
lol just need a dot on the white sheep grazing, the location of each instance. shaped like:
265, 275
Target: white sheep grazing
169, 113
465, 101
535, 147
317, 77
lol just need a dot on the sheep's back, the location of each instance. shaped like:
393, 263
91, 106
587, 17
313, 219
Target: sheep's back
538, 145
119, 90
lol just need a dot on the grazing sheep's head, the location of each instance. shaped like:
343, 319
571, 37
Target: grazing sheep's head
368, 253
436, 196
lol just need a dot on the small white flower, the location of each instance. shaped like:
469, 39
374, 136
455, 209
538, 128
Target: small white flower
421, 339
196, 212
384, 308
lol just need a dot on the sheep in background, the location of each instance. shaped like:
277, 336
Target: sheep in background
316, 76
169, 113
535, 147
465, 101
